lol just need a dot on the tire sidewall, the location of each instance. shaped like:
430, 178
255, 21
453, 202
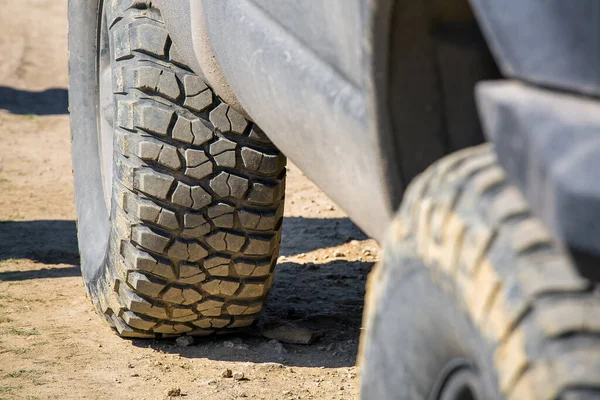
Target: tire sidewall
415, 330
92, 216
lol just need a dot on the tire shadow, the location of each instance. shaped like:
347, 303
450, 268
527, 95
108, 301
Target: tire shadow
52, 101
323, 297
326, 298
44, 241
303, 235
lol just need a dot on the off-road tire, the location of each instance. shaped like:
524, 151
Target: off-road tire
468, 274
194, 228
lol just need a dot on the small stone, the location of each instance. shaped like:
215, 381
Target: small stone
301, 255
339, 253
288, 333
184, 341
134, 375
238, 376
228, 344
174, 392
130, 365
367, 252
227, 373
285, 392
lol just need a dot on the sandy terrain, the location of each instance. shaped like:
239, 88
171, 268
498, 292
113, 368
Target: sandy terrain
54, 346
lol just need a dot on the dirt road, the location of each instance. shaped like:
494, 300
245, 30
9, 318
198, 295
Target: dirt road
54, 346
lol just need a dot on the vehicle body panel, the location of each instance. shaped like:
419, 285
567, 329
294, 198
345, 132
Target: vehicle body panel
553, 43
311, 90
359, 94
549, 144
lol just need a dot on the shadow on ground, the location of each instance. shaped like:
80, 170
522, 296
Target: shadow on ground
43, 241
55, 241
52, 101
327, 298
303, 235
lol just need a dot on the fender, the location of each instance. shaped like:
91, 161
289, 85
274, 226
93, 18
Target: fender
185, 21
362, 95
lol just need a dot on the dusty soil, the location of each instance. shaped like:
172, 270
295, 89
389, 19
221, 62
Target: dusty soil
54, 346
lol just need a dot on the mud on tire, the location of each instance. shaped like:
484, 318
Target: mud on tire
190, 239
473, 290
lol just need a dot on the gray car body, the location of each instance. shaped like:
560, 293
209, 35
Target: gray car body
314, 75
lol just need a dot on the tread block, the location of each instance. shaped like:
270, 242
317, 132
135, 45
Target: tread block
139, 305
237, 121
200, 171
253, 290
148, 239
198, 164
191, 274
135, 321
182, 195
142, 284
264, 194
257, 161
153, 119
222, 241
152, 183
223, 152
149, 38
143, 261
196, 225
229, 185
126, 330
199, 102
218, 117
181, 296
221, 215
196, 252
219, 287
172, 329
259, 246
210, 308
169, 157
252, 268
191, 130
151, 78
180, 314
258, 221
167, 219
193, 85
236, 309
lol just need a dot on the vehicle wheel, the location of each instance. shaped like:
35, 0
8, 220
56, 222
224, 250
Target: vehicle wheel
474, 300
179, 198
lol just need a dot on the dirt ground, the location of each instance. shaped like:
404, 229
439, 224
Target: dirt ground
54, 346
